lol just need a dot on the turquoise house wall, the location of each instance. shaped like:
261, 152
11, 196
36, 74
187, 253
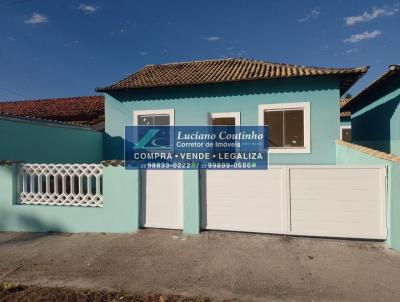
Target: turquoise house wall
193, 104
38, 142
119, 213
377, 125
349, 156
345, 122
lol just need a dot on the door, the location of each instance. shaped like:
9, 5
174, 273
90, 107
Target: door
161, 190
338, 201
243, 200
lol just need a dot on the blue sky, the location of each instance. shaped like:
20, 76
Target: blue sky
55, 48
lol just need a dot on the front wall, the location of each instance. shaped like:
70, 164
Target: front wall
35, 142
192, 106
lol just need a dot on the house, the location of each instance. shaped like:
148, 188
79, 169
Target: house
83, 110
300, 104
345, 121
63, 130
375, 113
303, 192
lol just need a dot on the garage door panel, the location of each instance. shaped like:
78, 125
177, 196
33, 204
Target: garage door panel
243, 200
342, 202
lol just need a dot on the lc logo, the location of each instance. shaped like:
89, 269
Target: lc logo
153, 139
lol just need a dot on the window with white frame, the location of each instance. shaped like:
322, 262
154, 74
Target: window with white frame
288, 125
345, 133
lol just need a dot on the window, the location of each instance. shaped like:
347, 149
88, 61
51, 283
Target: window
162, 117
224, 119
289, 127
153, 120
345, 133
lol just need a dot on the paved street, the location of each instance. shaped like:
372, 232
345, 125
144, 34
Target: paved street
216, 264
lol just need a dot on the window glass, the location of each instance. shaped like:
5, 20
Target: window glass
346, 135
153, 120
294, 128
223, 121
286, 128
274, 121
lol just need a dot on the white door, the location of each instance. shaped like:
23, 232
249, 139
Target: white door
245, 200
338, 201
161, 190
327, 201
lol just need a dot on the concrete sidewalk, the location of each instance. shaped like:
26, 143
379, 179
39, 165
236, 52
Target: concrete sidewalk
215, 264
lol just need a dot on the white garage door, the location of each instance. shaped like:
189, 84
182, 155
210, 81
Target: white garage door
330, 201
250, 201
338, 201
162, 199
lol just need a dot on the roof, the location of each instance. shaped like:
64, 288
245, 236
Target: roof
392, 72
228, 70
83, 110
343, 102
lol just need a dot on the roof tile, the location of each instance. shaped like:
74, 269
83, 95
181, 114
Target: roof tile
86, 110
227, 70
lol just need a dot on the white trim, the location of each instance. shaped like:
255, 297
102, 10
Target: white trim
235, 115
341, 130
170, 112
305, 106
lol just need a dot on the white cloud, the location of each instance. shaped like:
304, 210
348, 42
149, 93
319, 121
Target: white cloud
36, 19
86, 8
351, 50
212, 38
314, 13
143, 53
375, 13
366, 35
11, 39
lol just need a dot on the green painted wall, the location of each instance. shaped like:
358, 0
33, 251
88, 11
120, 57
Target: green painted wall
36, 142
192, 105
349, 156
345, 122
120, 213
376, 123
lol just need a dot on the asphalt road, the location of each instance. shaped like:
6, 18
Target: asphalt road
221, 265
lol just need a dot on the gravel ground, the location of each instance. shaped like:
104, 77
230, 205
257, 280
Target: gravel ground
220, 265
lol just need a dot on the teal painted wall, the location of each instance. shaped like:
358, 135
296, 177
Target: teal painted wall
192, 105
377, 124
345, 122
120, 213
36, 142
349, 156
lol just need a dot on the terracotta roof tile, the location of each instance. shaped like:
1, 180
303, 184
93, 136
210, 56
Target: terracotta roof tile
86, 110
228, 70
344, 113
369, 151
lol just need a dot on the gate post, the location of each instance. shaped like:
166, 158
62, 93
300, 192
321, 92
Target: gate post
8, 183
121, 196
191, 202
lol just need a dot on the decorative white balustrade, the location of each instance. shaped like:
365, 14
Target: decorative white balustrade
61, 184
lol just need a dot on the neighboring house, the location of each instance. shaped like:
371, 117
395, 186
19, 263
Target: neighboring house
84, 110
345, 122
64, 130
375, 113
